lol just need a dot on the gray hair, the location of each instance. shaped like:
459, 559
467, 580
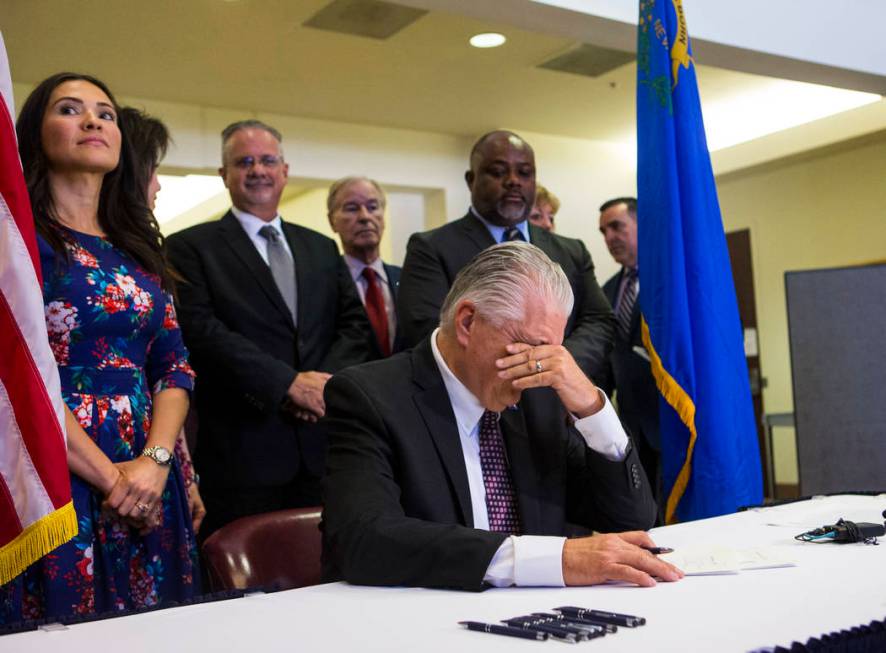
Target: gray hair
338, 186
500, 279
234, 127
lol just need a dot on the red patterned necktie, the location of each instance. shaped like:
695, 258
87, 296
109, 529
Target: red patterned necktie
375, 309
501, 498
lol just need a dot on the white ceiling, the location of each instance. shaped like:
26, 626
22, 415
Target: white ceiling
255, 55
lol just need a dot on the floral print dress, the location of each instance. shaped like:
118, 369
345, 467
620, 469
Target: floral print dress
116, 340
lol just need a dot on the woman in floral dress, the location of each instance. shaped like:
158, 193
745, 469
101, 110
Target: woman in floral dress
124, 372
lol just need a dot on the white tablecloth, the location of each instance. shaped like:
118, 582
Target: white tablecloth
832, 587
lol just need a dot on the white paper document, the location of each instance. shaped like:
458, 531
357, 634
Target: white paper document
707, 560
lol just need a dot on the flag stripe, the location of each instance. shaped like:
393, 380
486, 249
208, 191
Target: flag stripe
21, 481
14, 192
685, 408
31, 413
10, 525
35, 415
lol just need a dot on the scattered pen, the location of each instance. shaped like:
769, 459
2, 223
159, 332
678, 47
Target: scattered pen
658, 550
582, 630
598, 629
556, 632
495, 629
628, 620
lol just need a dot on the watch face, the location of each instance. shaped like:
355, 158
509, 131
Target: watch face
162, 455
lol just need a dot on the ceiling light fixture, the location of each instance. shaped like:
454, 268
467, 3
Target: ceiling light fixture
487, 40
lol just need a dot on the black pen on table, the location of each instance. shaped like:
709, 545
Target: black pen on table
598, 629
495, 629
559, 633
628, 620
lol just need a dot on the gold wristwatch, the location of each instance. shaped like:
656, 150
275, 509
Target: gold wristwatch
160, 455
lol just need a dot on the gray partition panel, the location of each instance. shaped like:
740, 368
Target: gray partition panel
837, 328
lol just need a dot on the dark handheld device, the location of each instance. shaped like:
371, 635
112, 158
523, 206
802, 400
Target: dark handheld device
844, 532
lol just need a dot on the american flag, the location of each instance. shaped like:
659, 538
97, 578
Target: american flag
36, 512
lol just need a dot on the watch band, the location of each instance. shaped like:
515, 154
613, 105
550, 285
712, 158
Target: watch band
160, 455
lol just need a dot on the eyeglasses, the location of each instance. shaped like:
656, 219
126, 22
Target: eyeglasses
266, 161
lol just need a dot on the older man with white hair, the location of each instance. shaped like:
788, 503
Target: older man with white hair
459, 463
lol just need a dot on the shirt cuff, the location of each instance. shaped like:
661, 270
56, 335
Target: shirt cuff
527, 561
603, 432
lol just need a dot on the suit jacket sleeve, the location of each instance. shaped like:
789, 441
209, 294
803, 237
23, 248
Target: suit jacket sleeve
228, 355
593, 329
423, 287
368, 538
353, 333
608, 496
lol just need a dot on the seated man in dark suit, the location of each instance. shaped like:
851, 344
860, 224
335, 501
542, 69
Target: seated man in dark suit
356, 211
502, 183
459, 463
630, 372
268, 312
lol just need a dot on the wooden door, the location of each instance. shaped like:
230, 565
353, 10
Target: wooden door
739, 243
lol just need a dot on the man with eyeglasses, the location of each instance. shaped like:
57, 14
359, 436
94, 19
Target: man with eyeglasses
268, 311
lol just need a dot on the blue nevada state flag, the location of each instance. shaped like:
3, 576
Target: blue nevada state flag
710, 455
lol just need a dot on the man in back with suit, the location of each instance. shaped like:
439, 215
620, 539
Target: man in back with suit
630, 373
458, 463
268, 312
356, 210
502, 183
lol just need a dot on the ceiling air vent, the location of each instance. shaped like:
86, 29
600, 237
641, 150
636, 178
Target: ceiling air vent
588, 60
372, 18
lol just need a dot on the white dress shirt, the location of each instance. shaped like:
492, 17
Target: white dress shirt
252, 224
356, 267
524, 560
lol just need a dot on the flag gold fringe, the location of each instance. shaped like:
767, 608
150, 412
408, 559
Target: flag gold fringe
680, 402
36, 541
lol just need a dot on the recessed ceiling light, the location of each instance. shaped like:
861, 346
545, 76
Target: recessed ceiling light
487, 40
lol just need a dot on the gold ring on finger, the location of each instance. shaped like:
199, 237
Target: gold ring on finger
143, 507
538, 367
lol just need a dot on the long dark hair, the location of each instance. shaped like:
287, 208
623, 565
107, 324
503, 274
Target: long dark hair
123, 212
149, 139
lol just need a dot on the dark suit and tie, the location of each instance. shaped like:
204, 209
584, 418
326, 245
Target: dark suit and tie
397, 503
247, 349
630, 376
466, 461
433, 258
375, 293
629, 373
356, 212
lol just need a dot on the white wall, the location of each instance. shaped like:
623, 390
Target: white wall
825, 209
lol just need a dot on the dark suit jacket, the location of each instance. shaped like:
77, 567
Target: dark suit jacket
433, 258
396, 495
631, 375
393, 272
246, 350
